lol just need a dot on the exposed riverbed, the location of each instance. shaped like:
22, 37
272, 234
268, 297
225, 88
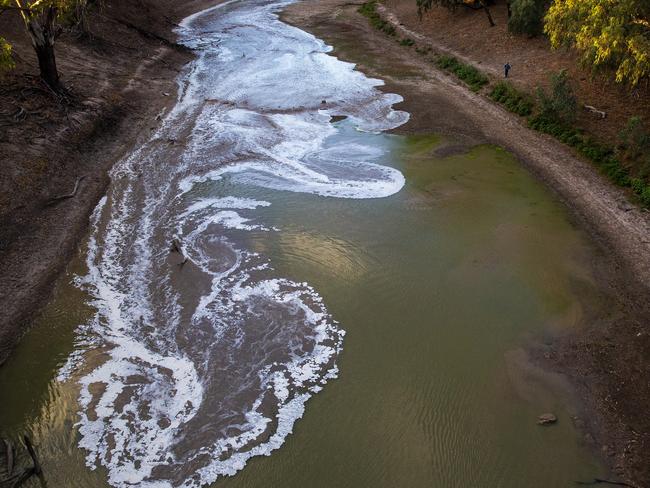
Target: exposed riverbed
235, 248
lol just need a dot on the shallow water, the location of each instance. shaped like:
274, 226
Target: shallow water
159, 368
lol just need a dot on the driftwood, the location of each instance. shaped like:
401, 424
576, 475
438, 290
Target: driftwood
32, 454
9, 452
18, 479
596, 111
14, 478
177, 247
67, 195
597, 481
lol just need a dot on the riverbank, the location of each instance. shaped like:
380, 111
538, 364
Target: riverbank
606, 360
122, 77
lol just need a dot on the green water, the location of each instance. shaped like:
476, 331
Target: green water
438, 287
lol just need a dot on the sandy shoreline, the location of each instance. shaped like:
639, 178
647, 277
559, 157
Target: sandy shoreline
607, 362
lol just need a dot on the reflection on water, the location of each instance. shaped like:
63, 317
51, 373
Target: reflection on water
205, 310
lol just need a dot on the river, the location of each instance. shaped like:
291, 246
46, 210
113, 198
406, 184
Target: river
277, 292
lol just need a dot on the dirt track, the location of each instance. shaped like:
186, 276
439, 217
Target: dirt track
609, 361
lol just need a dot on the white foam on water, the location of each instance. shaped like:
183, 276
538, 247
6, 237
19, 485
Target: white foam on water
190, 379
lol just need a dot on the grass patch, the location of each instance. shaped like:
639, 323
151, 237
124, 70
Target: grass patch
369, 10
514, 100
469, 74
407, 42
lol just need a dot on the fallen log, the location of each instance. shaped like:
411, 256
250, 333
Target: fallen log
596, 111
9, 452
32, 454
18, 479
598, 481
67, 195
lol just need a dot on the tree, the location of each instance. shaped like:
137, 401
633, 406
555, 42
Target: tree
426, 5
561, 104
611, 34
526, 16
42, 23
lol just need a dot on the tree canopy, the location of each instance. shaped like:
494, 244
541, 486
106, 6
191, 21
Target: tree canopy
609, 33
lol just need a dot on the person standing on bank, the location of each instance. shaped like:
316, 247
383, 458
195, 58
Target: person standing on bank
507, 68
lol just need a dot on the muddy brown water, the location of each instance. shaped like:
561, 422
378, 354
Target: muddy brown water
233, 369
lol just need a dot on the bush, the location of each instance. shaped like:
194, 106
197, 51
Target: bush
6, 60
469, 74
561, 105
634, 141
601, 155
369, 10
518, 102
407, 42
527, 17
644, 196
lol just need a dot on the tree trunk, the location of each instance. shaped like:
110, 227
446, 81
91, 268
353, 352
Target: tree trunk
47, 65
509, 9
42, 31
487, 12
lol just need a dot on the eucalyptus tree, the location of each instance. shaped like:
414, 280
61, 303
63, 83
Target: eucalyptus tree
612, 34
43, 22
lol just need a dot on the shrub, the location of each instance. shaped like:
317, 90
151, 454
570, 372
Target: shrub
601, 155
469, 74
644, 196
561, 104
6, 61
369, 10
634, 141
518, 102
527, 17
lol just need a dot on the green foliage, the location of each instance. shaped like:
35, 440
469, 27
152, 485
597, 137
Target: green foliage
634, 141
644, 196
369, 10
634, 149
604, 157
6, 61
612, 34
407, 42
514, 100
561, 104
469, 74
527, 17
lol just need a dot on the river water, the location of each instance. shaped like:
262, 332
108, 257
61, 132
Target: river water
271, 254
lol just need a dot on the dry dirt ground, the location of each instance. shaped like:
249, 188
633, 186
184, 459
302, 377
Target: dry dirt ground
608, 361
466, 34
119, 78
